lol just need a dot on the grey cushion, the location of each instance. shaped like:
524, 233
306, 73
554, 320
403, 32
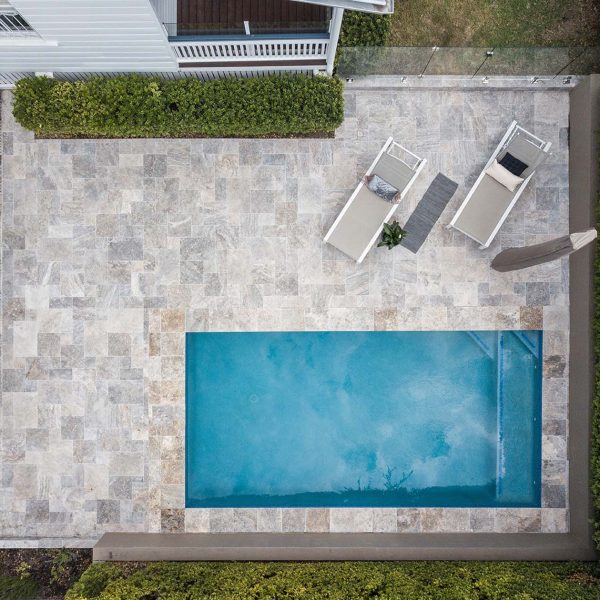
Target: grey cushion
394, 171
485, 209
360, 223
386, 191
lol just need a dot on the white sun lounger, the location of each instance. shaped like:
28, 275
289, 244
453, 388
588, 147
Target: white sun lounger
489, 203
361, 221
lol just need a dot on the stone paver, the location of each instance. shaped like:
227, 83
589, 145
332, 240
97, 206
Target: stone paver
112, 249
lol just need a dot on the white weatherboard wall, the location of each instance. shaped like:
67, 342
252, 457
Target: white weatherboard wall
89, 35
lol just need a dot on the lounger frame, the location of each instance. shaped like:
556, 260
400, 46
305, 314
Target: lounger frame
513, 130
420, 164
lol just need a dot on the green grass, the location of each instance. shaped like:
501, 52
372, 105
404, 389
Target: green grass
14, 588
340, 581
495, 23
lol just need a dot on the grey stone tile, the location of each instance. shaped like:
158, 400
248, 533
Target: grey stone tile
317, 519
119, 344
172, 520
269, 520
71, 428
37, 511
233, 520
192, 271
84, 165
108, 512
293, 520
408, 520
537, 293
128, 249
155, 165
553, 496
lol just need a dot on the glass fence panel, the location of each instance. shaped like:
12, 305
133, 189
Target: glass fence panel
382, 61
469, 62
455, 61
526, 61
586, 62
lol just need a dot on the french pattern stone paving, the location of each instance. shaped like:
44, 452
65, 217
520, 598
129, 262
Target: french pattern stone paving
112, 249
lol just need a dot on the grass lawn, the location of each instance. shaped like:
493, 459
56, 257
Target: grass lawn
495, 23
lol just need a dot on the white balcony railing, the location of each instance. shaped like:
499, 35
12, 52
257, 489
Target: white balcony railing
251, 51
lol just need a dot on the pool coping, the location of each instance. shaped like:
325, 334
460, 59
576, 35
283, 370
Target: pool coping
577, 544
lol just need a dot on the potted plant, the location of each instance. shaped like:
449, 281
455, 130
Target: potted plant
392, 235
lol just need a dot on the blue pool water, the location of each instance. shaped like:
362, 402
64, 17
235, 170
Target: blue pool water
363, 419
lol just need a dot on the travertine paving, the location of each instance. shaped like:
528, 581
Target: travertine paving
112, 249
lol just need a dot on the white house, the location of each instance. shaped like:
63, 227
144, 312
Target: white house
200, 38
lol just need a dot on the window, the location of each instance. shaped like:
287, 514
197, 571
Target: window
13, 24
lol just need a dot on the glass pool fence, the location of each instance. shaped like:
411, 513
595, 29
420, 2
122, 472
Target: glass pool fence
535, 62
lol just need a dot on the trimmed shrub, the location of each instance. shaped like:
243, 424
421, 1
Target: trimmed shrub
364, 29
138, 106
343, 581
95, 580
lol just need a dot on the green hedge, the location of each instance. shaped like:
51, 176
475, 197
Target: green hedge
137, 106
364, 29
340, 581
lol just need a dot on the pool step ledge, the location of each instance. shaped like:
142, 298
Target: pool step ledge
339, 546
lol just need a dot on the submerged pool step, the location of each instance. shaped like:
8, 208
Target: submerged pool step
500, 457
525, 339
484, 341
518, 460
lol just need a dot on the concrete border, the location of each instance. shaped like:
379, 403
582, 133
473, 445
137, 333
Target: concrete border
577, 544
339, 546
462, 82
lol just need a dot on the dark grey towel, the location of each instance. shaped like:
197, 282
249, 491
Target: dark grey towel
428, 211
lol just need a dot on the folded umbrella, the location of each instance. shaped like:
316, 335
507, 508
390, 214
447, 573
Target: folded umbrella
513, 259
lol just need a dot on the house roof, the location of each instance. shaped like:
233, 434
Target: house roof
372, 6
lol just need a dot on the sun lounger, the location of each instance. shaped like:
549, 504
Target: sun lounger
361, 221
489, 203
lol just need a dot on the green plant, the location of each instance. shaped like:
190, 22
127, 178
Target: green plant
392, 235
341, 581
61, 570
138, 106
364, 29
23, 570
17, 588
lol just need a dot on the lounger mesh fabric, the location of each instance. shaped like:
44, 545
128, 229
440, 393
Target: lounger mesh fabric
485, 209
361, 221
393, 171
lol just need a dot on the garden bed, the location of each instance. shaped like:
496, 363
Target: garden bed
30, 573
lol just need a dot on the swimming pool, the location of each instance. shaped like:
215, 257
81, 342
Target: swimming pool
368, 419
